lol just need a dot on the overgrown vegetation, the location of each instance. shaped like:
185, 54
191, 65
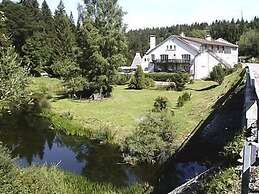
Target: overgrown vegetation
51, 180
218, 74
161, 104
183, 98
153, 140
225, 181
139, 81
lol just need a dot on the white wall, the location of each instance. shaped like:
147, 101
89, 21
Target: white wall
203, 65
181, 49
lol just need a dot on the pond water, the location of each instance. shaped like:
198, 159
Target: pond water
99, 163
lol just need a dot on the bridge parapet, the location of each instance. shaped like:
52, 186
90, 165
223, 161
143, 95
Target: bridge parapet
251, 147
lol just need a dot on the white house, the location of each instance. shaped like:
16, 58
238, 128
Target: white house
194, 55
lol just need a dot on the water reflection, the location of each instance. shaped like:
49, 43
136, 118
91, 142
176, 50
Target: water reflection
100, 163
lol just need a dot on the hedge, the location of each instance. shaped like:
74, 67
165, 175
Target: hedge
173, 77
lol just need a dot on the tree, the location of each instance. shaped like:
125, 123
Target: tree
249, 43
71, 74
103, 44
65, 42
138, 79
38, 53
13, 81
217, 74
30, 3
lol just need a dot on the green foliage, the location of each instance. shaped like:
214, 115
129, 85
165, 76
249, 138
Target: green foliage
8, 173
232, 150
225, 181
218, 74
71, 74
183, 98
13, 81
178, 80
137, 80
249, 43
161, 104
153, 140
51, 180
122, 79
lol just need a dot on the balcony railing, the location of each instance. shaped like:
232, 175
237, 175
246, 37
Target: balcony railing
172, 61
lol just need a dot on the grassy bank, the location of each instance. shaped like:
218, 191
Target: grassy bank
50, 180
125, 108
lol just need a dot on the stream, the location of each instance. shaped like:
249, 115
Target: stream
99, 163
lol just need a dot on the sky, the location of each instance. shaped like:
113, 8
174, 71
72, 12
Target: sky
159, 13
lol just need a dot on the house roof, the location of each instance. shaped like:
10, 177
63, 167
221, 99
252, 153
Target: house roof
184, 39
172, 36
218, 42
136, 61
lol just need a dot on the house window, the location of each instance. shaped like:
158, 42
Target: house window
164, 57
175, 47
145, 59
186, 57
171, 47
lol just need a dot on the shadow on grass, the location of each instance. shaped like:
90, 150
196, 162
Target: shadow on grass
207, 139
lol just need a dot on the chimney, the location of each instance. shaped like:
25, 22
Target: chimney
182, 34
152, 41
208, 37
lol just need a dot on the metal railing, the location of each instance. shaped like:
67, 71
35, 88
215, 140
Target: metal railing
172, 61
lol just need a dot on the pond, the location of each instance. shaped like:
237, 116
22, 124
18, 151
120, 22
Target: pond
99, 163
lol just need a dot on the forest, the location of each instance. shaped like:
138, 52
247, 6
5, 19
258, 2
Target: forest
243, 32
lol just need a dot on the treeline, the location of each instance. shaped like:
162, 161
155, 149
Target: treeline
246, 33
85, 55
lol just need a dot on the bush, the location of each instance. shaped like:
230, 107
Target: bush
183, 98
186, 96
153, 140
140, 81
218, 74
8, 173
122, 79
160, 104
232, 149
225, 181
149, 83
137, 80
164, 77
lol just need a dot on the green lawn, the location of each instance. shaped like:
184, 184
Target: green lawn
126, 107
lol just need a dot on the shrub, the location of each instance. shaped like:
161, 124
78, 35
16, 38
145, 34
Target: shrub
225, 181
160, 104
186, 96
218, 74
153, 140
183, 98
122, 79
180, 101
140, 81
137, 81
149, 83
164, 77
8, 173
232, 149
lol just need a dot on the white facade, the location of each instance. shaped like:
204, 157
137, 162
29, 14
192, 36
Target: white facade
201, 54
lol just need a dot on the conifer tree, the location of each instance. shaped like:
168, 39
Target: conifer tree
65, 41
